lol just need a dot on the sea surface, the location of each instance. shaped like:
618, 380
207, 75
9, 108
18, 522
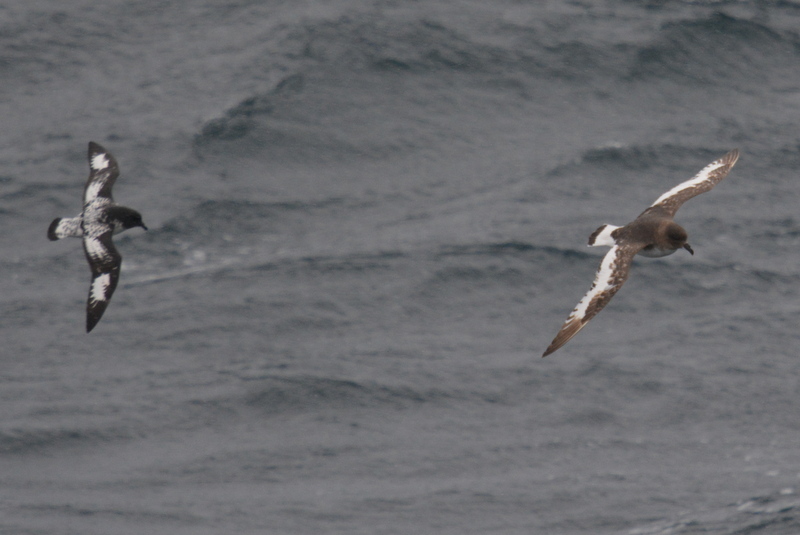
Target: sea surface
368, 219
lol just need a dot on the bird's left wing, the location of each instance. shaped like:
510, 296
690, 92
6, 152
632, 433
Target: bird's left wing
707, 178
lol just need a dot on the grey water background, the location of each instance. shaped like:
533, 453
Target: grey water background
367, 221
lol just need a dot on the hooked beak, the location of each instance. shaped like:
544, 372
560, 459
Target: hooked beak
688, 248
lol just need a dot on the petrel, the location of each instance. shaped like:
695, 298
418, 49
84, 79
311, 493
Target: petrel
652, 234
100, 218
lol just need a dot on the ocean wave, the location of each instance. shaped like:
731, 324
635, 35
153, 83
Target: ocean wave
636, 157
371, 43
361, 87
241, 120
25, 441
787, 157
212, 218
507, 247
220, 235
615, 175
714, 49
23, 196
453, 283
312, 394
203, 258
774, 514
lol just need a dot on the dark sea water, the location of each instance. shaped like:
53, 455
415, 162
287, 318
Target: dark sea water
367, 221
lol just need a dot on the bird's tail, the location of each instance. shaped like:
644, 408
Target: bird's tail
51, 232
65, 227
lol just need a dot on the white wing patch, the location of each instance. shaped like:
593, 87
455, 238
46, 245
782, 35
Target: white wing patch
602, 282
92, 190
99, 286
603, 238
610, 277
95, 248
699, 178
99, 162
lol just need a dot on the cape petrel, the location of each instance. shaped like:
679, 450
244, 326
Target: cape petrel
100, 218
653, 234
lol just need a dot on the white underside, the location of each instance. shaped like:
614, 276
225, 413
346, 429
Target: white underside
602, 282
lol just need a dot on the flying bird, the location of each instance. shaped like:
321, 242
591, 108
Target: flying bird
652, 234
100, 218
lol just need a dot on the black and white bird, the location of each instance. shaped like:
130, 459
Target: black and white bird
100, 218
653, 234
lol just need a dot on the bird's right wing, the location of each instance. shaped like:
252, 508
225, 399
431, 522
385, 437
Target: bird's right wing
611, 275
104, 261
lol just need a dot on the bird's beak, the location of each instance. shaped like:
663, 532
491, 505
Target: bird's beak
688, 247
146, 229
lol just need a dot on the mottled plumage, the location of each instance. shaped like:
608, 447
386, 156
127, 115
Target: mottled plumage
100, 218
653, 233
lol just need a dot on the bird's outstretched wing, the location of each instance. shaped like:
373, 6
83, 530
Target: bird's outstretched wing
703, 181
103, 172
611, 275
104, 261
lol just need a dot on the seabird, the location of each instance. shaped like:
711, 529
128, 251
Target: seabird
100, 218
652, 234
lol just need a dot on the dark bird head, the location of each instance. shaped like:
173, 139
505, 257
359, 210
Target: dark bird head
124, 218
678, 237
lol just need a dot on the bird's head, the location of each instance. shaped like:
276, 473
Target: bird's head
125, 218
677, 237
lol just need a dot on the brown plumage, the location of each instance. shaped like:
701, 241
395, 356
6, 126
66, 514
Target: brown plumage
653, 234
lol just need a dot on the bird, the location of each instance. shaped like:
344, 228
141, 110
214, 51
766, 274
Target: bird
653, 233
100, 218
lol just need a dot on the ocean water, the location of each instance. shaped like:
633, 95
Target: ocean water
367, 221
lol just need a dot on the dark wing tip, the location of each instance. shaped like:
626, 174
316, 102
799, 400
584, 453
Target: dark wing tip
92, 319
95, 148
94, 313
567, 332
728, 161
731, 157
51, 231
594, 235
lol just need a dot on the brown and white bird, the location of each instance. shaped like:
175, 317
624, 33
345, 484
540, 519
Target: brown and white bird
100, 218
653, 234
